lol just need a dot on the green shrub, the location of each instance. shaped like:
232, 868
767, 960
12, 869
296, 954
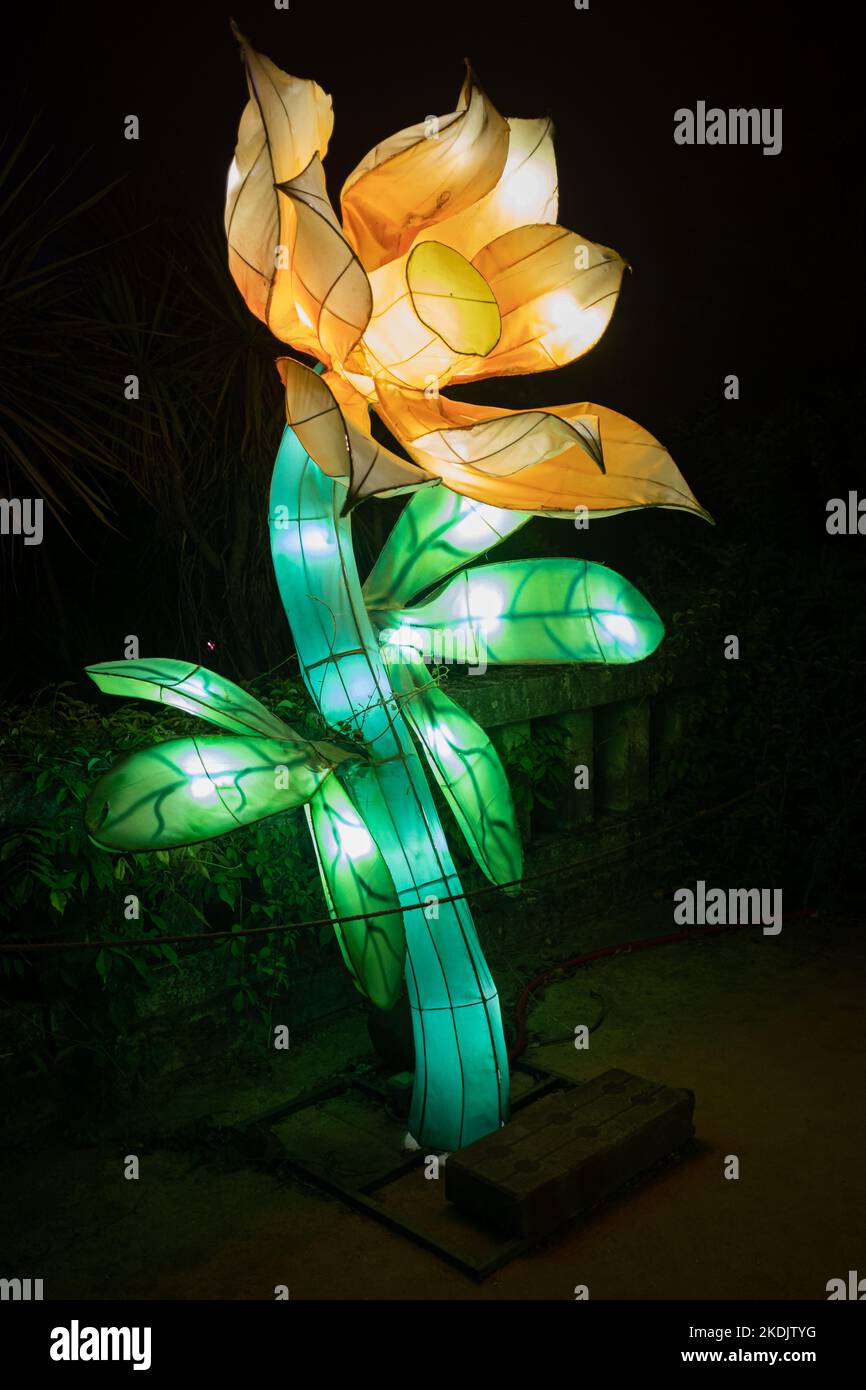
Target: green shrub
55, 884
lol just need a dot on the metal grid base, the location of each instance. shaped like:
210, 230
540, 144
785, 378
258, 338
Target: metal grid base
361, 1195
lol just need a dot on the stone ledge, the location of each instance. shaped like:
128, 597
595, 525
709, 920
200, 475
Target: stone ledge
509, 694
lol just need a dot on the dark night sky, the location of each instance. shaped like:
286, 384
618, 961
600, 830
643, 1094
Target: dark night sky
743, 263
715, 235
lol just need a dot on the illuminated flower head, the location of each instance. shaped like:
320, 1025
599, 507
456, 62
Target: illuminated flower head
449, 267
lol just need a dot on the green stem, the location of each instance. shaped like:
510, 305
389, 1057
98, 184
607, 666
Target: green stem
461, 1071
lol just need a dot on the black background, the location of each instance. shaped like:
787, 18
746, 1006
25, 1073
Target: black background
742, 263
730, 248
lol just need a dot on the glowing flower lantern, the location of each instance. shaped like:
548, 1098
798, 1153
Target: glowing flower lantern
448, 267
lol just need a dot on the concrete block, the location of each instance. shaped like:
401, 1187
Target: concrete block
563, 1154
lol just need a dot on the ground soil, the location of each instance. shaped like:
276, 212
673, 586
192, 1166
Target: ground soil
767, 1031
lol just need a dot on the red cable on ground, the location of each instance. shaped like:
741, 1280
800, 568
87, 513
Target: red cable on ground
642, 943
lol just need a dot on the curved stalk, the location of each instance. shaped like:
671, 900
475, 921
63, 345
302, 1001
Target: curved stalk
461, 1068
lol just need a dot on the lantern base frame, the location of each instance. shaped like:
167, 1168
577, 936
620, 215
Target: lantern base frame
394, 1191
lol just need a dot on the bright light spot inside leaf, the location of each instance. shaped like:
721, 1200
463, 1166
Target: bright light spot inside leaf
354, 840
202, 788
619, 626
170, 697
441, 742
470, 529
221, 760
486, 602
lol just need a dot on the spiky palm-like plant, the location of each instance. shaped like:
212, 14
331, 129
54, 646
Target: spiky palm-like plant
55, 444
448, 266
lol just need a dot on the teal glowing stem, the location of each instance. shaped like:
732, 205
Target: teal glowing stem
461, 1089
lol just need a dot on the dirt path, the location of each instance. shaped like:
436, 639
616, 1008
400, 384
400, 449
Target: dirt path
768, 1032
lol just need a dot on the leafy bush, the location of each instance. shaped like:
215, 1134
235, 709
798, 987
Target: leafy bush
55, 884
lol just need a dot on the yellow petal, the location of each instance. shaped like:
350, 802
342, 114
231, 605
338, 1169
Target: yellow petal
432, 312
322, 284
639, 472
422, 174
351, 401
494, 441
286, 122
450, 296
342, 448
527, 192
508, 444
397, 347
358, 379
556, 293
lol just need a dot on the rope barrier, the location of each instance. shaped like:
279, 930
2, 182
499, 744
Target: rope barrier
123, 943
